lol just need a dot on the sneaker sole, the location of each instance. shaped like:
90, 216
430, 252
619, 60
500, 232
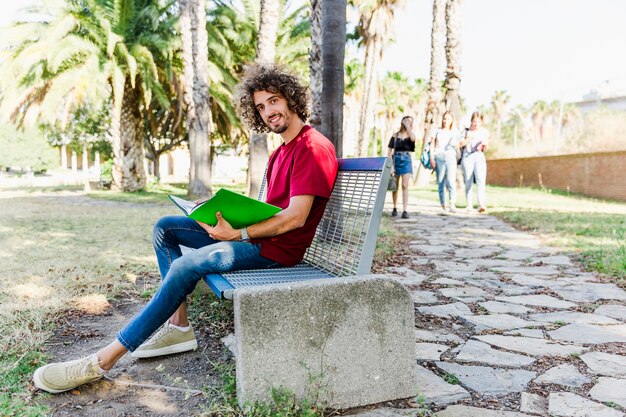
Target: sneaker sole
39, 383
169, 350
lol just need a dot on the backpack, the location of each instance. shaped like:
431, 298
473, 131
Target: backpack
425, 158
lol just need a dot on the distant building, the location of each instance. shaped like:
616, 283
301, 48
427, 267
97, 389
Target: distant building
594, 100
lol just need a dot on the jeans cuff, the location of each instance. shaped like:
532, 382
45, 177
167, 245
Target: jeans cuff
124, 343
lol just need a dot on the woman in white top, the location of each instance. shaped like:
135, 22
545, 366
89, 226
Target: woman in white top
443, 145
474, 164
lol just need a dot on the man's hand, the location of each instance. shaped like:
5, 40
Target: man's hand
222, 230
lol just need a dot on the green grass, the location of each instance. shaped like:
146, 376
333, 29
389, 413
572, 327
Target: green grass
590, 228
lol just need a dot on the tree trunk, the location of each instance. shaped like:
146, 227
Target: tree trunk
333, 54
128, 170
453, 57
437, 34
195, 55
258, 154
372, 58
316, 64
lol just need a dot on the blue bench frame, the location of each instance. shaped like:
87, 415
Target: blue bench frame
345, 239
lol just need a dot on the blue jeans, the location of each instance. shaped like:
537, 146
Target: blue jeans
180, 273
475, 167
446, 175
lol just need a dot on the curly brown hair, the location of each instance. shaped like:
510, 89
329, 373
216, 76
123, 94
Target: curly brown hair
275, 79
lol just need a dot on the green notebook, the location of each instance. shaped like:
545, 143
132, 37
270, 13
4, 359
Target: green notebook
237, 209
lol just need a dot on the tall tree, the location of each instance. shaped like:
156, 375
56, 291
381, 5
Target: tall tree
71, 57
316, 67
265, 54
453, 58
375, 28
333, 55
437, 35
498, 102
195, 56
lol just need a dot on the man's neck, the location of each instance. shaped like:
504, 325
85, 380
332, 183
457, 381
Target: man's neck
292, 131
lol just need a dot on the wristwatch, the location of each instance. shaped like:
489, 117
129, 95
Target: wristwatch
244, 235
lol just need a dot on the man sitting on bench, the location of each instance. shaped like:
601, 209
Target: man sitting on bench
300, 178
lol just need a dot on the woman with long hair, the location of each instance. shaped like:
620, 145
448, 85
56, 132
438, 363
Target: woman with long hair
443, 144
400, 144
474, 143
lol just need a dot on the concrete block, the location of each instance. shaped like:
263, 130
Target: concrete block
344, 342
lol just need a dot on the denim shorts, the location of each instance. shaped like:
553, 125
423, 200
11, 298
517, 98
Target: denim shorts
402, 163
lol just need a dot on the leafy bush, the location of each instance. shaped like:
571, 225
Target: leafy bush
26, 148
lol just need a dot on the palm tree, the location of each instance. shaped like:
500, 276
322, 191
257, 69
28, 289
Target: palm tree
316, 64
375, 29
498, 102
195, 56
453, 58
431, 115
73, 56
333, 56
539, 112
265, 54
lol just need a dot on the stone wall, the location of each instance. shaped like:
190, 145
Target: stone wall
600, 174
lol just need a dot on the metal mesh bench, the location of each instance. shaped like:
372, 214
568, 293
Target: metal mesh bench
345, 238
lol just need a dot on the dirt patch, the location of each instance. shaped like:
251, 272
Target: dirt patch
176, 385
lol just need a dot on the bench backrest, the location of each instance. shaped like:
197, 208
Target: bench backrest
345, 239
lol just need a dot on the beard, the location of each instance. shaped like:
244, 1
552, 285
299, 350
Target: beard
281, 127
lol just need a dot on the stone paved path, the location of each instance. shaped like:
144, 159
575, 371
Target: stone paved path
516, 327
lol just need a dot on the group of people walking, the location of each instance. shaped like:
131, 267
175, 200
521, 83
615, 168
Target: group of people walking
448, 147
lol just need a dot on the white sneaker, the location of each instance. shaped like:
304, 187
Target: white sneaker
64, 376
166, 341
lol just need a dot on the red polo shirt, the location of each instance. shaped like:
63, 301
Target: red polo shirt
305, 166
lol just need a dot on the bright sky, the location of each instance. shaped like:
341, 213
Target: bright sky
533, 49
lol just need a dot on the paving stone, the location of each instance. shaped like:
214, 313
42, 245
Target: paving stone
469, 291
447, 281
474, 351
553, 260
440, 335
446, 310
517, 254
601, 363
590, 292
590, 333
488, 380
500, 307
385, 412
476, 253
537, 282
533, 404
610, 389
404, 272
530, 346
432, 249
496, 321
612, 310
535, 333
494, 263
423, 297
466, 411
572, 317
565, 374
420, 261
437, 391
466, 275
497, 286
530, 270
429, 351
540, 300
454, 266
568, 404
